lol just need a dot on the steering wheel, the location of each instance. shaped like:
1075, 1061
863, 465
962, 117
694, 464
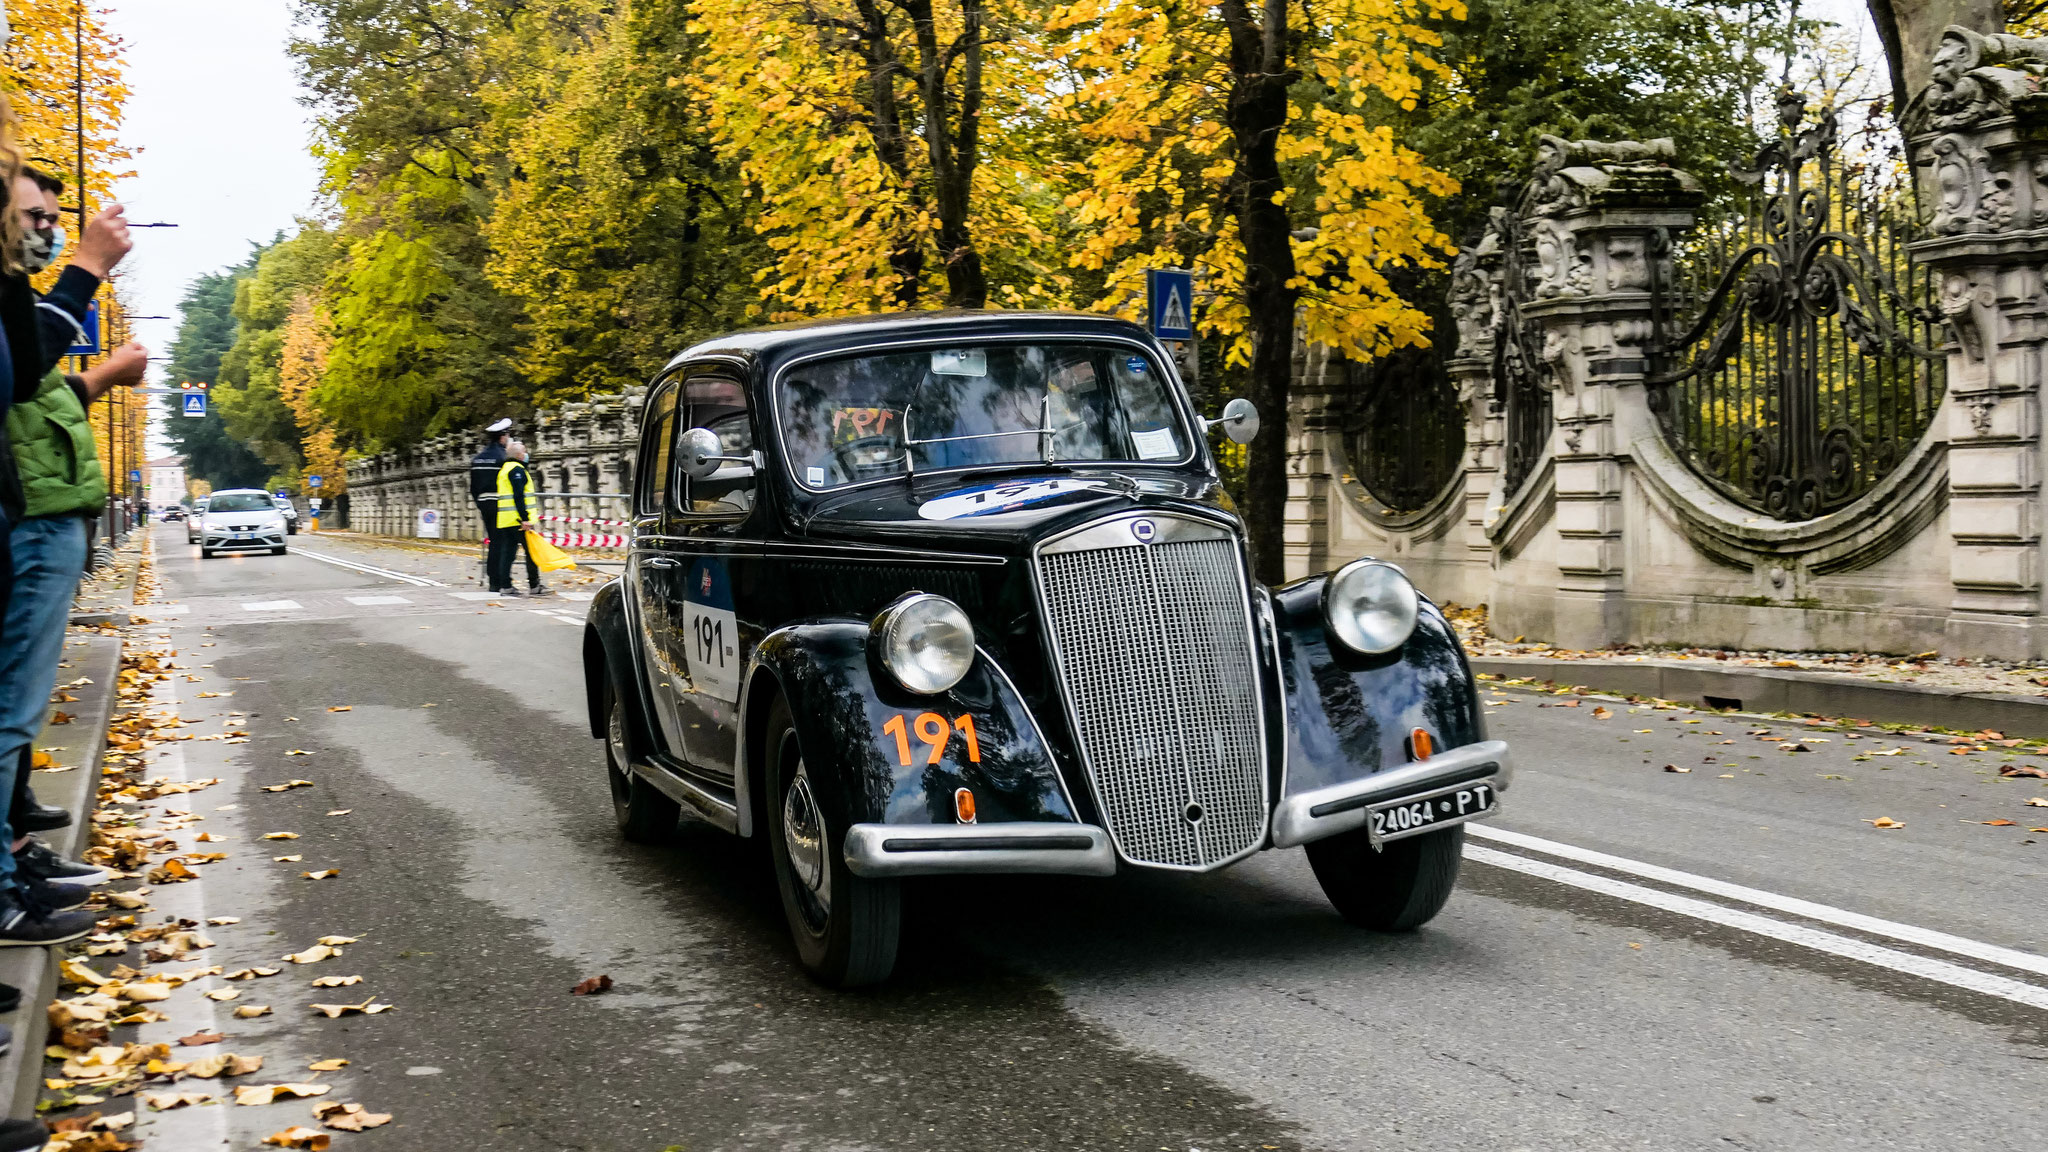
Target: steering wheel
864, 457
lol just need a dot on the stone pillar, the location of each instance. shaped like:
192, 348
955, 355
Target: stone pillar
1475, 301
1984, 135
1318, 375
1597, 215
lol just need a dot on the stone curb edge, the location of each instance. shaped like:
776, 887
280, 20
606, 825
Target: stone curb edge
34, 970
1780, 690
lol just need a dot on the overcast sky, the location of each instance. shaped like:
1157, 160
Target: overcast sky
222, 137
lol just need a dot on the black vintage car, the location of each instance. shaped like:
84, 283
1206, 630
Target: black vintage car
963, 593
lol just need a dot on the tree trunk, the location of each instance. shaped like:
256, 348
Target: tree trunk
1257, 113
906, 258
952, 142
1911, 28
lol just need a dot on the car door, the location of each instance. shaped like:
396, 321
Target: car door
654, 570
721, 565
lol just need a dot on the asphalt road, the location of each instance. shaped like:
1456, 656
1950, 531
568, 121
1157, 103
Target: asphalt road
1564, 1000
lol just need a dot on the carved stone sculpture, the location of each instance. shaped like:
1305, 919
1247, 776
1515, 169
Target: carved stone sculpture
1978, 77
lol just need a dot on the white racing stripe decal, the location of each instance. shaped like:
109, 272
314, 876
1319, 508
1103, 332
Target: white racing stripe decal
1826, 914
1926, 968
369, 569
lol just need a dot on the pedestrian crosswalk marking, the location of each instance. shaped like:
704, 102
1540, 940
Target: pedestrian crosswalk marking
373, 601
476, 595
162, 609
271, 606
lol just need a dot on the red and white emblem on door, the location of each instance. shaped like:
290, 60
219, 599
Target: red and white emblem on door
706, 583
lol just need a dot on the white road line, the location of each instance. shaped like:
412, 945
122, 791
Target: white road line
1911, 934
478, 595
370, 569
271, 606
162, 609
373, 601
1926, 968
577, 595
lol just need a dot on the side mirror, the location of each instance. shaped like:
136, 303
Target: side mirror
701, 454
1240, 420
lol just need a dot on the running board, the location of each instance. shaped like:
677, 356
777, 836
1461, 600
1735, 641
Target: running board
707, 805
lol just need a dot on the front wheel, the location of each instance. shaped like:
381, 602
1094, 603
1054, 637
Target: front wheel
277, 551
1399, 888
645, 816
206, 553
846, 927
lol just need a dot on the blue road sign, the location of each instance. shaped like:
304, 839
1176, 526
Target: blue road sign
135, 475
1171, 294
195, 403
312, 481
90, 345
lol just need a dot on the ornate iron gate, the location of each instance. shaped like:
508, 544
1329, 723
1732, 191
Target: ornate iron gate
1795, 358
1403, 427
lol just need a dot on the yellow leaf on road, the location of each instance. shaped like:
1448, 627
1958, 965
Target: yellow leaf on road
280, 835
337, 941
223, 921
251, 1011
348, 1117
1603, 714
255, 1094
334, 1065
336, 981
287, 859
296, 752
368, 1007
289, 784
2037, 801
299, 1136
323, 874
165, 1101
223, 994
1885, 822
342, 708
313, 955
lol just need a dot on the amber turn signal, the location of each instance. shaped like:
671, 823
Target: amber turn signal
1420, 747
963, 805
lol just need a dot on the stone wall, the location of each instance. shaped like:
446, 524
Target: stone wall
1614, 539
584, 447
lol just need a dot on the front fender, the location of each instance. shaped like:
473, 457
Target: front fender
843, 704
608, 651
1349, 716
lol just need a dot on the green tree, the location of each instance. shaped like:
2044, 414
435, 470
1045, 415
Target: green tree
248, 395
206, 330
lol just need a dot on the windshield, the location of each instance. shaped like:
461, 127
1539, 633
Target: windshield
845, 420
240, 502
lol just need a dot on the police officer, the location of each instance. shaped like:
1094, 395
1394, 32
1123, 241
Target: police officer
485, 477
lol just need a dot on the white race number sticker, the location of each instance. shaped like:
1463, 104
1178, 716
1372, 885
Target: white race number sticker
711, 638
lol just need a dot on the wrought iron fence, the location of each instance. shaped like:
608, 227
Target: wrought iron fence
1795, 356
1403, 427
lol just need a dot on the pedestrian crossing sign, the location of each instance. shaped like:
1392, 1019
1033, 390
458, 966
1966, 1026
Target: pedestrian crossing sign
195, 403
1171, 294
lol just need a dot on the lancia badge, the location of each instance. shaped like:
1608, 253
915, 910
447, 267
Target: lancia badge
1144, 530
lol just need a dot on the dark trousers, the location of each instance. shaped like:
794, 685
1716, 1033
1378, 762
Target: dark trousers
532, 569
498, 563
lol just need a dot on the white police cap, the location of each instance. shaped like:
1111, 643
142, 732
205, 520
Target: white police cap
504, 425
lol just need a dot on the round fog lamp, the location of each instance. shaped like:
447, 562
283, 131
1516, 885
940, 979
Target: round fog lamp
1371, 606
926, 642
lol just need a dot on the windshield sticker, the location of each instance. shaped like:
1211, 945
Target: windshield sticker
960, 362
988, 499
1158, 444
1135, 365
815, 477
850, 424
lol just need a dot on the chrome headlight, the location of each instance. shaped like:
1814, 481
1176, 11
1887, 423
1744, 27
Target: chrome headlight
926, 642
1371, 606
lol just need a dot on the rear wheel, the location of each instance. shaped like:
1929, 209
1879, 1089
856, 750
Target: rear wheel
1396, 889
645, 816
846, 927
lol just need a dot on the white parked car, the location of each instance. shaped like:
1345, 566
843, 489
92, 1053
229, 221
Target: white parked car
193, 520
291, 514
240, 520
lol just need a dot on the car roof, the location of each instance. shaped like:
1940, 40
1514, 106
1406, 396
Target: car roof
776, 342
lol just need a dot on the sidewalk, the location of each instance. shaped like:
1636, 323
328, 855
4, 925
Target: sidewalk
1956, 695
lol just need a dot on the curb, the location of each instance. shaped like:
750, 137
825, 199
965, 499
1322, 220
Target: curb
82, 743
1779, 690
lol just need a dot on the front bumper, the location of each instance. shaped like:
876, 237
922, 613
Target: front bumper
1344, 807
884, 850
221, 543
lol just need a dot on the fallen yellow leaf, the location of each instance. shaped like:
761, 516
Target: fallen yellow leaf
323, 874
313, 955
368, 1007
348, 1117
1885, 822
223, 994
336, 981
280, 835
299, 1136
255, 1094
342, 708
334, 1065
251, 1011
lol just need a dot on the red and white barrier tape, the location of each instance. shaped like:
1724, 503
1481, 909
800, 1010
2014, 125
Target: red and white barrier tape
588, 520
585, 540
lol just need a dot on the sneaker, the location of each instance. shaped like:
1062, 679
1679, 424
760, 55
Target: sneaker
25, 922
42, 862
10, 999
540, 590
512, 592
23, 1135
54, 896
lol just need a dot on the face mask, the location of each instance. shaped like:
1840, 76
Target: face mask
39, 249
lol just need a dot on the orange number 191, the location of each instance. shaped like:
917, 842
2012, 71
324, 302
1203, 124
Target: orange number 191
935, 732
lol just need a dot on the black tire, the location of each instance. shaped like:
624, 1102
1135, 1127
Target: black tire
206, 553
277, 551
1397, 889
847, 929
645, 816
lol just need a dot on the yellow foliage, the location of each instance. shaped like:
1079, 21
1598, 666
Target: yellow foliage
300, 368
1154, 188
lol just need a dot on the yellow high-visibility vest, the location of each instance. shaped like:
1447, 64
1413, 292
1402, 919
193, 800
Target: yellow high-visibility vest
508, 508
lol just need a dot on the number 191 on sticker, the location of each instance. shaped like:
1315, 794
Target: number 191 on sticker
935, 732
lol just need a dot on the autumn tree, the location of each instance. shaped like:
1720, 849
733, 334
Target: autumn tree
249, 389
1247, 141
206, 330
887, 144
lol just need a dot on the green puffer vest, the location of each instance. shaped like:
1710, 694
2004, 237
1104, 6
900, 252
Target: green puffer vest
54, 453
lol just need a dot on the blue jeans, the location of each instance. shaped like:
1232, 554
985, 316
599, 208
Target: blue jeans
49, 557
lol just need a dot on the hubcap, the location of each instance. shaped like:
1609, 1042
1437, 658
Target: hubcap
615, 742
803, 834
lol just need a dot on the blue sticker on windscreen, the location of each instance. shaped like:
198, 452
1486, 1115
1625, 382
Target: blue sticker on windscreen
1135, 365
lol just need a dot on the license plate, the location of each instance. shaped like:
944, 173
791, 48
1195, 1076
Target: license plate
1415, 815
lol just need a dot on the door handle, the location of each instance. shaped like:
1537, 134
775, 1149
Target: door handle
658, 562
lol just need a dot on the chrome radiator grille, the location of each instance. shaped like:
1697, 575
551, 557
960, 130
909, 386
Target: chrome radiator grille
1154, 652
